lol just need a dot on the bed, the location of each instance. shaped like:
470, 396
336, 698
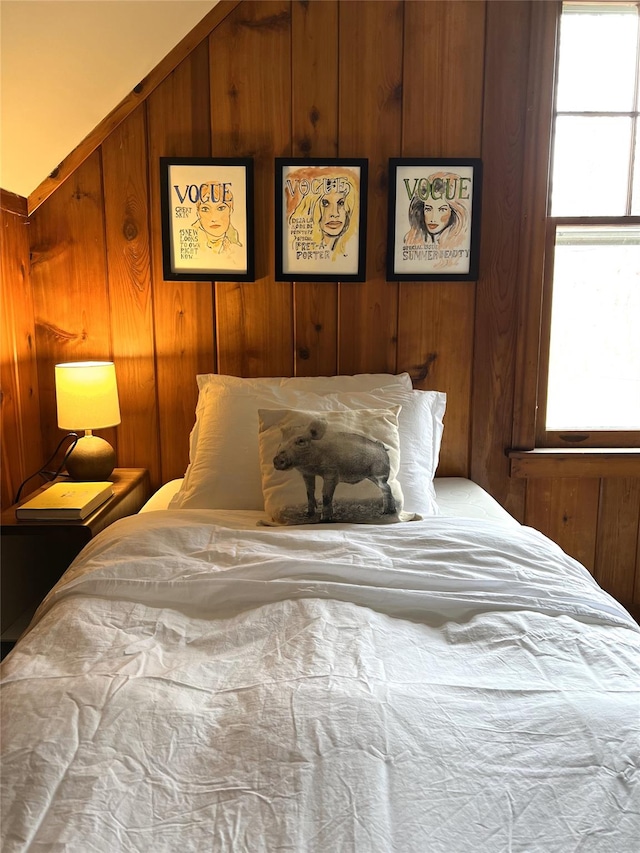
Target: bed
205, 678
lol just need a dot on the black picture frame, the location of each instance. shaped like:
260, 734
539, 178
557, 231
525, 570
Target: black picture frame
194, 248
447, 247
320, 219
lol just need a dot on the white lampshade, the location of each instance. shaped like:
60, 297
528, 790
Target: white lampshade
87, 395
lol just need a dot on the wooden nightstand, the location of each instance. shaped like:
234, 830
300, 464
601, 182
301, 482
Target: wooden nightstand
35, 554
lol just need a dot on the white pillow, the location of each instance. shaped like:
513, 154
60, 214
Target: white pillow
348, 460
295, 385
224, 467
310, 384
420, 425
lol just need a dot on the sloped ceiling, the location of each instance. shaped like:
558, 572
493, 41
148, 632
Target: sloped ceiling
65, 64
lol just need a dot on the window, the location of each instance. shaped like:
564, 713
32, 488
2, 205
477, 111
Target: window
589, 386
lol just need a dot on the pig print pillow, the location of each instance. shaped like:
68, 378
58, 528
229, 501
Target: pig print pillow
323, 467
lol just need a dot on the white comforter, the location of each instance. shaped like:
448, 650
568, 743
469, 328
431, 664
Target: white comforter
446, 685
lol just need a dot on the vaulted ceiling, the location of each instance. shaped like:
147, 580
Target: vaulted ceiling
65, 64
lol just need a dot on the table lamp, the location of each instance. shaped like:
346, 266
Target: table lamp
87, 398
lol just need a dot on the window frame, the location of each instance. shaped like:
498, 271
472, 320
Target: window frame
538, 241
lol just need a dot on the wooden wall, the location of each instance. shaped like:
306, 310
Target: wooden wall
275, 78
292, 77
21, 443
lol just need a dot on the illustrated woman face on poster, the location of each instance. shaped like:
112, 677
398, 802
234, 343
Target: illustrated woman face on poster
323, 212
207, 219
331, 213
321, 219
434, 219
334, 214
214, 220
442, 218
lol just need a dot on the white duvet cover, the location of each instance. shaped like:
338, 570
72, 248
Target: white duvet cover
198, 683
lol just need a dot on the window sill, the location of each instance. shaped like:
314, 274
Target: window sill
574, 462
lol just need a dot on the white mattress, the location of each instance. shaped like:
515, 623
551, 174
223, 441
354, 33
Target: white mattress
456, 496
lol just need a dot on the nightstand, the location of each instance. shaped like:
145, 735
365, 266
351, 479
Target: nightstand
35, 554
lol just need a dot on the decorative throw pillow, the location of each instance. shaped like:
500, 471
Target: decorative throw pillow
420, 425
354, 455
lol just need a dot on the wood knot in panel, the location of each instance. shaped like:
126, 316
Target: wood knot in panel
59, 334
269, 23
129, 229
423, 370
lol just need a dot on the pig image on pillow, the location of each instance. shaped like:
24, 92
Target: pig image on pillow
316, 450
333, 466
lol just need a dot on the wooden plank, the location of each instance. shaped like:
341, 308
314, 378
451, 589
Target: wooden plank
131, 102
178, 125
253, 119
443, 78
436, 320
566, 510
435, 347
68, 276
126, 201
13, 203
22, 452
370, 125
314, 84
531, 267
617, 538
503, 137
558, 462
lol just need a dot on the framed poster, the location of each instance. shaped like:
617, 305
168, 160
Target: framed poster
321, 211
207, 219
434, 219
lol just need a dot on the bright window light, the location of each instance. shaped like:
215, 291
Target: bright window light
594, 374
593, 381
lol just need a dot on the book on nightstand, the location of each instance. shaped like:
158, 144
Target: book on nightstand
65, 500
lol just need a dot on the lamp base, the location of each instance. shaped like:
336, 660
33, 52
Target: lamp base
92, 458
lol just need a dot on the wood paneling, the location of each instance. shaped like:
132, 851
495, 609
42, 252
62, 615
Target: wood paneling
436, 320
251, 117
537, 154
69, 284
617, 537
294, 78
503, 138
436, 347
126, 204
178, 125
575, 462
22, 452
566, 510
443, 79
596, 521
370, 38
314, 97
